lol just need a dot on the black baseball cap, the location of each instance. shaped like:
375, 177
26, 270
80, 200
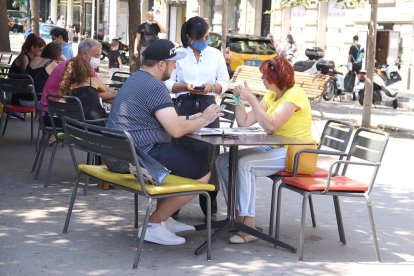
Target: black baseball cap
162, 49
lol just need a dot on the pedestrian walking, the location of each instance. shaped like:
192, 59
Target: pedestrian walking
61, 22
147, 32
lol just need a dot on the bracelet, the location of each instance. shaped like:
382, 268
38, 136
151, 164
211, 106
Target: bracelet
213, 88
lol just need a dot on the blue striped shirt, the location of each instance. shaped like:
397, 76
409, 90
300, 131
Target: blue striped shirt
134, 109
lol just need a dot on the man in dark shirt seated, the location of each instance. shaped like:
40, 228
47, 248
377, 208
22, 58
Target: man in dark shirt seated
144, 108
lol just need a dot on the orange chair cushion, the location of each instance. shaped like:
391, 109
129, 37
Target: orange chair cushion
21, 108
318, 173
338, 184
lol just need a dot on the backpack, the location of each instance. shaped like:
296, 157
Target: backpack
358, 55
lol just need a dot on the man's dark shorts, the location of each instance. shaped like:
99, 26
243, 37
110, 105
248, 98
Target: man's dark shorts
180, 160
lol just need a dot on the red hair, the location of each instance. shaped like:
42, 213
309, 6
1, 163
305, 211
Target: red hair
279, 72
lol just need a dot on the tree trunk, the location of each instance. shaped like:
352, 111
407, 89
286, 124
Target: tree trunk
4, 29
81, 17
224, 26
369, 82
34, 7
134, 20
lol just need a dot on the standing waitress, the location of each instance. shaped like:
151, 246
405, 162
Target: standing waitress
196, 81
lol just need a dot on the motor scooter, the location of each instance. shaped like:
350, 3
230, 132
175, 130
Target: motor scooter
316, 63
387, 82
123, 50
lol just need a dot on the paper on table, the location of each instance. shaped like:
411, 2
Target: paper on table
244, 131
208, 131
229, 131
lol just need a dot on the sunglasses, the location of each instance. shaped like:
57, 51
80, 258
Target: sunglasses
270, 64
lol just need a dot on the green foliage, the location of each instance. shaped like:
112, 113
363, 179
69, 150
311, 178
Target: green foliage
18, 3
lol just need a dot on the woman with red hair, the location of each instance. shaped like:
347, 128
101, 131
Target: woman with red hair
284, 110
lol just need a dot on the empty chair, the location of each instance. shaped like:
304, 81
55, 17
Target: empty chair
118, 79
6, 58
367, 149
58, 106
12, 88
334, 141
228, 109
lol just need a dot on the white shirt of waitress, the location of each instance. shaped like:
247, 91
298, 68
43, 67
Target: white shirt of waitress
209, 71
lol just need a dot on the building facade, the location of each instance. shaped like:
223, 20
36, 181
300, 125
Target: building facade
329, 25
332, 25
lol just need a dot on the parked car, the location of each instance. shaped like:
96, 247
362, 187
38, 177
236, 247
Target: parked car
12, 25
244, 49
17, 20
44, 30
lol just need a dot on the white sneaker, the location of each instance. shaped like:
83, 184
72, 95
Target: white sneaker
161, 235
175, 226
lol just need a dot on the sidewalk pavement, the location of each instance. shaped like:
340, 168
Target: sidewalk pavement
382, 117
102, 241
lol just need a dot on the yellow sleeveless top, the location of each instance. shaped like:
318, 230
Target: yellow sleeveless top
300, 124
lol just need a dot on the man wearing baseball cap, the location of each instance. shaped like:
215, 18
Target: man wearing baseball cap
144, 108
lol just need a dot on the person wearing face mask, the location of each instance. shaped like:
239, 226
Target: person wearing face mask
60, 36
145, 109
196, 82
147, 32
89, 50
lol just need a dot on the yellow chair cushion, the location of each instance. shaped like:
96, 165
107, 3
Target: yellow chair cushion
171, 184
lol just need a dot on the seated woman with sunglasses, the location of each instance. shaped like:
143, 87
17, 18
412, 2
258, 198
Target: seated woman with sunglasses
284, 110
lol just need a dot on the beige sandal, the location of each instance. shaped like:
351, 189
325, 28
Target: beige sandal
241, 238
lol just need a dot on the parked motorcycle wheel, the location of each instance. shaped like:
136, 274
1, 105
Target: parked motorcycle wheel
395, 104
375, 97
330, 91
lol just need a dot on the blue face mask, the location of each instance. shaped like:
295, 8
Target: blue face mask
200, 45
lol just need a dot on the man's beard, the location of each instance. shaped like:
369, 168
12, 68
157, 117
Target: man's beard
166, 76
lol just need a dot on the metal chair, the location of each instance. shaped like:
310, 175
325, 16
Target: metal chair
119, 77
334, 140
229, 116
228, 109
6, 57
367, 149
15, 85
58, 106
119, 145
